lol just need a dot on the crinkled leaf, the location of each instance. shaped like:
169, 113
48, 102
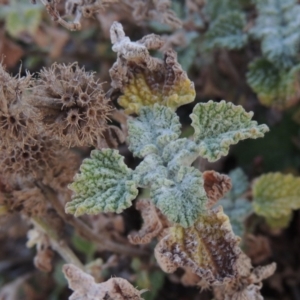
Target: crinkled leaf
277, 26
150, 170
227, 31
104, 185
275, 195
180, 152
156, 127
219, 125
273, 86
209, 248
181, 198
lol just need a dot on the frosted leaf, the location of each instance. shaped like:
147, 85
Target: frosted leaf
248, 282
209, 248
277, 26
227, 31
152, 130
180, 152
275, 195
85, 287
219, 125
143, 79
104, 185
182, 197
274, 86
150, 170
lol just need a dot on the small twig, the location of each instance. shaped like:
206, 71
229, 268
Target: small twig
103, 241
57, 244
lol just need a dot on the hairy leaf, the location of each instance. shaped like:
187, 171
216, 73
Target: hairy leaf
209, 248
275, 195
227, 31
278, 27
181, 197
152, 130
219, 125
273, 86
104, 185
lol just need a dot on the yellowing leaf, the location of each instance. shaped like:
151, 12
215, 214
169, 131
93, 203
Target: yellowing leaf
144, 90
209, 248
275, 196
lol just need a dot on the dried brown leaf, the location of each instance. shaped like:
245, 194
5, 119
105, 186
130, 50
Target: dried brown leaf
216, 186
85, 288
154, 223
145, 80
209, 248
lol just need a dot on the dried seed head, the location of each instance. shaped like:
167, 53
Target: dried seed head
37, 157
22, 196
72, 105
16, 117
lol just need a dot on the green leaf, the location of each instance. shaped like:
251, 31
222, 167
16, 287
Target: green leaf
240, 183
227, 31
152, 130
275, 195
273, 86
237, 209
105, 184
22, 17
219, 125
181, 198
149, 170
216, 8
180, 152
277, 26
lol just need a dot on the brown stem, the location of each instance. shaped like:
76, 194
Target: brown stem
103, 241
58, 244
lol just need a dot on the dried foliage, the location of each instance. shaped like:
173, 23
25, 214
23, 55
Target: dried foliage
158, 10
216, 186
209, 248
153, 226
143, 79
247, 284
16, 116
44, 255
71, 104
85, 288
